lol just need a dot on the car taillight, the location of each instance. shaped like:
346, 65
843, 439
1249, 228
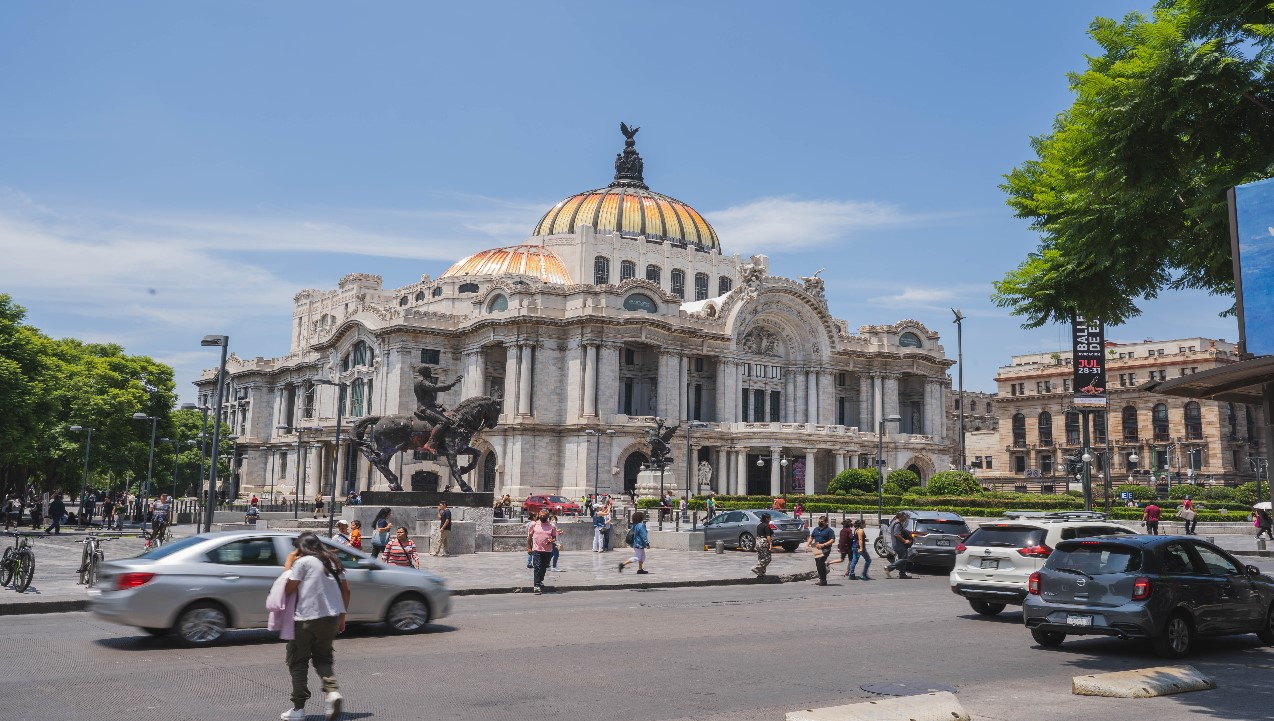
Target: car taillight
961, 548
1141, 589
1033, 584
1040, 551
918, 534
773, 527
132, 580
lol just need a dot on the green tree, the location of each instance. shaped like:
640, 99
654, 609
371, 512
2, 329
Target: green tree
23, 383
903, 479
853, 479
953, 483
1128, 190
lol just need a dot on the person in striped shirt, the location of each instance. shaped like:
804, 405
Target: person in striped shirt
401, 551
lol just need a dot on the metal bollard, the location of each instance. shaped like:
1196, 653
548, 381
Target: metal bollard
720, 546
1211, 539
1260, 544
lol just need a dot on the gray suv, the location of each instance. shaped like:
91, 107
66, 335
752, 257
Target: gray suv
1168, 589
934, 538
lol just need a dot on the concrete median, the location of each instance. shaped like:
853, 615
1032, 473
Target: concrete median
940, 706
1142, 683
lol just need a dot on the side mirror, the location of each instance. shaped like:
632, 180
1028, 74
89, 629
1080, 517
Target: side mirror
1252, 570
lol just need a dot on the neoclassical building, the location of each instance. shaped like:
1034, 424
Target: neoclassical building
618, 308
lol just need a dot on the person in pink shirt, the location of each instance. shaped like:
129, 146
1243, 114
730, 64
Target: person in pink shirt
1151, 518
540, 537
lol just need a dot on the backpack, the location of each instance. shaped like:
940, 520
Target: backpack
628, 537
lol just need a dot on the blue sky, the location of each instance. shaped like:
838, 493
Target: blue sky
169, 170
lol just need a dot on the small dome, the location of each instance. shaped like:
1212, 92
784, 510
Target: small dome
630, 210
533, 260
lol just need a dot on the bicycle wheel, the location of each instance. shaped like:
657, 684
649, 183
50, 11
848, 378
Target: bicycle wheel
6, 566
85, 559
25, 571
98, 558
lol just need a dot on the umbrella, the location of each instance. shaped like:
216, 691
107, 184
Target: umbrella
1263, 504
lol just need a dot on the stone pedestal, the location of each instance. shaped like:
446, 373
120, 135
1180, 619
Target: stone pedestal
648, 483
418, 512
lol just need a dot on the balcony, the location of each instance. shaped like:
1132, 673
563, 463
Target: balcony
1046, 443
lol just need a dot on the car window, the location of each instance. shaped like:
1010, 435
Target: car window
169, 549
1095, 558
558, 499
735, 517
941, 526
1176, 559
1216, 564
1089, 531
1005, 536
246, 552
348, 560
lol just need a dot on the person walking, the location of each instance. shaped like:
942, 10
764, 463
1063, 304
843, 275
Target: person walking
599, 522
1151, 518
317, 578
88, 508
1264, 523
540, 537
712, 508
57, 509
844, 542
764, 541
820, 542
356, 534
607, 527
380, 532
858, 547
901, 539
1188, 516
401, 550
444, 528
318, 505
13, 512
640, 542
108, 511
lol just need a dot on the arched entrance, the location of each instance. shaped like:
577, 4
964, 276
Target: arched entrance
632, 467
488, 472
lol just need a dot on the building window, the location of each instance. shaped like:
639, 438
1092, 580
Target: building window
629, 356
1019, 430
403, 301
909, 340
1251, 423
977, 462
1072, 428
1232, 420
1194, 422
1046, 428
637, 301
1132, 379
1130, 423
988, 462
431, 356
1066, 385
775, 405
701, 286
1019, 464
1099, 429
356, 391
601, 270
627, 270
1159, 419
498, 303
679, 283
840, 411
1013, 388
724, 285
758, 405
655, 274
1039, 387
747, 396
436, 291
698, 364
420, 295
468, 288
1046, 464
307, 402
1123, 380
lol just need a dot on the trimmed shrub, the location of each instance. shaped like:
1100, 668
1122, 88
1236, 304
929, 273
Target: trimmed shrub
1221, 494
851, 479
1140, 493
953, 483
1177, 493
891, 488
903, 479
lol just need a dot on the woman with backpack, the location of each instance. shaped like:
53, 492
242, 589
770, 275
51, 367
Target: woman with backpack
858, 547
380, 532
639, 539
1264, 523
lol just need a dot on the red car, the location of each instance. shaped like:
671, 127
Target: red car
559, 505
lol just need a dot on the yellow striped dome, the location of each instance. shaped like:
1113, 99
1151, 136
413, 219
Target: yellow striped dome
531, 260
631, 210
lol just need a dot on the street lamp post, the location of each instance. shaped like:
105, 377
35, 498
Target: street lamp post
336, 457
880, 465
1258, 463
150, 465
88, 442
222, 341
959, 323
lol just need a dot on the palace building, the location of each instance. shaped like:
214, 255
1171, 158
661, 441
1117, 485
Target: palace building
621, 306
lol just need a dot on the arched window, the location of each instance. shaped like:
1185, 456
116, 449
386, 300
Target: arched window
627, 270
679, 283
601, 270
1251, 422
1194, 421
638, 301
1232, 420
724, 285
437, 291
468, 288
420, 295
1019, 430
360, 355
1159, 419
356, 391
655, 274
909, 340
1130, 423
403, 301
1072, 428
497, 303
1046, 428
701, 286
489, 465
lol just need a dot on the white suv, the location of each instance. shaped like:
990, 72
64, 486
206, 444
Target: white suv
993, 564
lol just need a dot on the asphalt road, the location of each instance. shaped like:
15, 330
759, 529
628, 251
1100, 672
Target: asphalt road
709, 654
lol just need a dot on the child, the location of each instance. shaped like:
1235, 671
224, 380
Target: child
356, 535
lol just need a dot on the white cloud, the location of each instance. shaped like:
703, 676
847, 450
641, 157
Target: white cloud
787, 224
916, 297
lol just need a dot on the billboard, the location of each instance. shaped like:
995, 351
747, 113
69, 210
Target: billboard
1252, 243
1088, 349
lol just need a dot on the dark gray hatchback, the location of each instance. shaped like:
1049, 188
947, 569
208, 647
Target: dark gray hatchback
1168, 589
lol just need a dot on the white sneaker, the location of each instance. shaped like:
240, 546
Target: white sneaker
333, 705
295, 714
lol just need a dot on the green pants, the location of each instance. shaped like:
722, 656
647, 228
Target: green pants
313, 641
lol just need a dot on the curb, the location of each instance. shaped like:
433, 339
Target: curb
1142, 683
940, 706
32, 607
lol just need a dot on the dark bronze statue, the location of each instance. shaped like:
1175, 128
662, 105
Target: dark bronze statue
628, 164
428, 409
658, 438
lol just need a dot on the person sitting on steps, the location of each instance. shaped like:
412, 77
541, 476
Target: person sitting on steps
428, 409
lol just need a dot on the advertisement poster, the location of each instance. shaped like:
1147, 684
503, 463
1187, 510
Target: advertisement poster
798, 476
1252, 235
1088, 346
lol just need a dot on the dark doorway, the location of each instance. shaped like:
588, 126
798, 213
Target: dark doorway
758, 476
424, 481
916, 470
488, 473
632, 467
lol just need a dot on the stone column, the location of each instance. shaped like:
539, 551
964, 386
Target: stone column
668, 394
826, 397
799, 399
809, 471
510, 380
683, 395
865, 388
590, 380
811, 396
877, 401
890, 397
525, 379
840, 462
775, 479
740, 471
724, 391
607, 381
789, 395
736, 390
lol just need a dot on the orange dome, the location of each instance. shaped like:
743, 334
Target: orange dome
630, 210
531, 260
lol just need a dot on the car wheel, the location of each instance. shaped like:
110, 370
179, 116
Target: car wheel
407, 614
1048, 639
156, 632
1177, 637
791, 546
202, 624
1266, 634
883, 550
747, 542
986, 608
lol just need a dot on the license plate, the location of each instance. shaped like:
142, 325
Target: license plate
944, 543
991, 563
1077, 619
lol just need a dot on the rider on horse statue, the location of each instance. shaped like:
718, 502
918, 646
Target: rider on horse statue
428, 409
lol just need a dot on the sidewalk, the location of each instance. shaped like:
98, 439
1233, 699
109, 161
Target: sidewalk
54, 588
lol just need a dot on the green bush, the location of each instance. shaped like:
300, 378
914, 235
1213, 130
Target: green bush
1221, 494
903, 479
1075, 493
891, 488
1178, 493
850, 479
1140, 493
953, 483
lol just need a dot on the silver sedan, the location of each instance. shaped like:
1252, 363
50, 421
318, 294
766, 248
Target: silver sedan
198, 587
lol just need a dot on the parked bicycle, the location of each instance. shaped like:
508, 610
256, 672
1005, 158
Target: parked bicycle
18, 563
92, 559
158, 535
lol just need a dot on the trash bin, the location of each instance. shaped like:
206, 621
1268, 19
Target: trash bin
720, 546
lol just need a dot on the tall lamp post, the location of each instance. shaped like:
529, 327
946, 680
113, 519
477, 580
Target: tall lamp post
88, 442
690, 463
597, 457
336, 457
1257, 462
222, 341
880, 465
150, 466
959, 323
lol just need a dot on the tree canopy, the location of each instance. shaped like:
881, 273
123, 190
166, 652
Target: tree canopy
1128, 191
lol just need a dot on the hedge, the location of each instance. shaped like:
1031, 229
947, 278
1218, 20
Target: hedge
903, 479
952, 483
1140, 493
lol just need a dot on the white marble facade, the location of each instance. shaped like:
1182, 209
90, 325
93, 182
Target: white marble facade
764, 365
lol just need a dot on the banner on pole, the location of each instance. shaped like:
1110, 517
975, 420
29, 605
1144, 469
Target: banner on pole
1088, 350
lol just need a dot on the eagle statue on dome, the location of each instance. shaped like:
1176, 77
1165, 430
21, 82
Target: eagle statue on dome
628, 134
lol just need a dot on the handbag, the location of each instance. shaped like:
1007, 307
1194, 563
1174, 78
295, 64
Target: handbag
628, 538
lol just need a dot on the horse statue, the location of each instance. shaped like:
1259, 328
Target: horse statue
378, 438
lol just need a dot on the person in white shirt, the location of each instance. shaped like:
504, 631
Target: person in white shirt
317, 578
